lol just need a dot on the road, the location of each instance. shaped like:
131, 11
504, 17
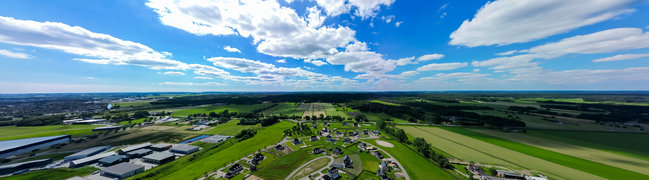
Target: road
321, 169
405, 174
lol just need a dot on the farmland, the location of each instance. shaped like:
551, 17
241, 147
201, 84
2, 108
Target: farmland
629, 144
218, 109
230, 128
314, 109
58, 173
11, 132
416, 166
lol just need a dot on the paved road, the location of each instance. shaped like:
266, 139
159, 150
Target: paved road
298, 169
405, 174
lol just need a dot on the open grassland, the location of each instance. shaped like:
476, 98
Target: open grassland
219, 108
629, 144
330, 110
12, 132
186, 168
141, 120
577, 100
416, 165
370, 162
133, 104
603, 157
230, 128
283, 166
383, 116
55, 174
385, 103
285, 108
470, 149
311, 168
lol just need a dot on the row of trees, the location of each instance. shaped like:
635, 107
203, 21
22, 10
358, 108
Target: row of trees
420, 144
300, 129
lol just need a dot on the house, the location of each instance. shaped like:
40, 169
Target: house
297, 141
509, 174
233, 170
366, 132
328, 138
362, 145
258, 157
183, 149
318, 150
333, 173
112, 160
314, 138
337, 151
159, 158
384, 166
122, 170
338, 165
279, 147
348, 162
378, 154
382, 171
324, 129
347, 140
353, 133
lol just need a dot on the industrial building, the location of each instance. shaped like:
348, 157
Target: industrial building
86, 153
133, 148
159, 158
160, 147
122, 170
184, 149
14, 147
11, 168
84, 121
107, 128
90, 160
112, 160
138, 153
216, 138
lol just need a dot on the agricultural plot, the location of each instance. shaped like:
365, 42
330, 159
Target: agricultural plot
230, 128
286, 108
629, 144
385, 103
56, 173
467, 148
218, 109
330, 110
315, 109
415, 165
12, 132
603, 157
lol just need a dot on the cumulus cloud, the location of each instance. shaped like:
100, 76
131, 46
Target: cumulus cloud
362, 8
175, 73
506, 53
441, 66
94, 47
398, 23
17, 55
192, 84
504, 22
231, 49
621, 57
429, 57
388, 19
203, 77
281, 61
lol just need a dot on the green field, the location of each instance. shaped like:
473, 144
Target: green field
57, 173
330, 110
586, 165
12, 132
141, 120
628, 144
285, 108
230, 128
385, 103
218, 109
283, 166
470, 149
133, 104
311, 168
416, 165
382, 116
577, 100
216, 158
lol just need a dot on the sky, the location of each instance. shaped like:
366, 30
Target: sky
66, 46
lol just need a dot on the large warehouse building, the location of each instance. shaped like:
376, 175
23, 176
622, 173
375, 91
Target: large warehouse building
86, 153
122, 170
19, 146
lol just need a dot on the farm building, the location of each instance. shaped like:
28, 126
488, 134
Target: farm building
112, 160
184, 149
14, 147
122, 170
138, 153
90, 160
133, 148
11, 168
86, 153
159, 158
509, 174
160, 147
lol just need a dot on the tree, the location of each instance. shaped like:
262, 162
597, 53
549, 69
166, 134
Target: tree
141, 114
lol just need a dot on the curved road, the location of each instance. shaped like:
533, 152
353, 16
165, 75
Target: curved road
299, 168
405, 174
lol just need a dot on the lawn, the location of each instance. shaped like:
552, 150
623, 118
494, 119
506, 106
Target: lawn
470, 149
218, 109
230, 128
370, 162
385, 103
283, 166
214, 159
416, 165
311, 168
628, 144
56, 174
581, 162
12, 132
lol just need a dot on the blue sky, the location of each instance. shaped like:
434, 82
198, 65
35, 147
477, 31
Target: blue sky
322, 45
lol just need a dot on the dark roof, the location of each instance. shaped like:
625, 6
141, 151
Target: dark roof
140, 151
11, 144
90, 151
111, 159
122, 168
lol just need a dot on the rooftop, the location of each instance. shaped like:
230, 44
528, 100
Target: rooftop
135, 147
158, 156
92, 158
183, 147
91, 150
10, 144
122, 168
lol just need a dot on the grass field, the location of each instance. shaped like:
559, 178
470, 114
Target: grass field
628, 144
56, 174
216, 158
311, 168
133, 104
230, 128
12, 132
379, 116
141, 120
416, 166
577, 100
285, 108
218, 109
330, 110
467, 148
370, 162
385, 103
283, 166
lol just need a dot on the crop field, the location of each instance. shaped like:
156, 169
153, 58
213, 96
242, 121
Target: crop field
577, 100
385, 103
628, 144
330, 110
315, 109
303, 106
285, 108
416, 165
230, 128
589, 154
380, 116
185, 168
12, 132
467, 148
218, 109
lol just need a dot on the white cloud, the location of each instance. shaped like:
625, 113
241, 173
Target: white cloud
363, 8
429, 57
89, 78
504, 22
621, 57
94, 47
405, 61
175, 73
441, 66
231, 49
588, 76
318, 62
203, 77
17, 55
281, 61
192, 84
388, 19
506, 53
398, 23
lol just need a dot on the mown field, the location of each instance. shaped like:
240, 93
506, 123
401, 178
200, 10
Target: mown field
468, 148
58, 173
385, 103
416, 166
285, 108
218, 109
230, 128
629, 144
12, 132
186, 168
283, 166
330, 110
